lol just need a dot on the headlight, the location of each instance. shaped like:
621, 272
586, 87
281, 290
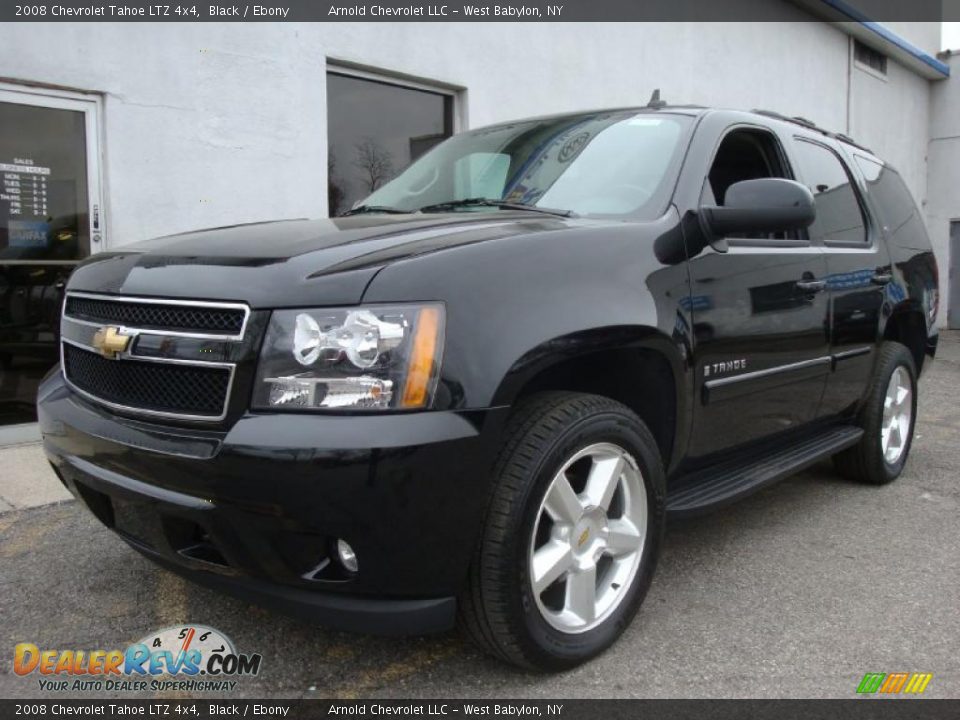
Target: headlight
376, 357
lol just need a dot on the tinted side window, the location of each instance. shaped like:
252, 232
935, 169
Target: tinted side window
839, 216
745, 154
884, 184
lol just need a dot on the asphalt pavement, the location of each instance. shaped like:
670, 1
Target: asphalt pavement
794, 592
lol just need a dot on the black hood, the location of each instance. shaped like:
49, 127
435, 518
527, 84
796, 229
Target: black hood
293, 262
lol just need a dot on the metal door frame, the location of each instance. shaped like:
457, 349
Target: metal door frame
91, 105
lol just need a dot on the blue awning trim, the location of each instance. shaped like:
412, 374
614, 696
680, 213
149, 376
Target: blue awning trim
891, 37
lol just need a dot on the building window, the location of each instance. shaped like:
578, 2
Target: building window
375, 128
867, 57
50, 219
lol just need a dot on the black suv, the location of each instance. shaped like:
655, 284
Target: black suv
481, 394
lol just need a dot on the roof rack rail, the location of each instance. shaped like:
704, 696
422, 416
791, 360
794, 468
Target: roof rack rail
771, 113
847, 139
810, 125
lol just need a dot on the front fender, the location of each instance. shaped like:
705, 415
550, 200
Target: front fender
582, 345
515, 305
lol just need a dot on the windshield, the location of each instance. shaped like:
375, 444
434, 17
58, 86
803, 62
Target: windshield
609, 165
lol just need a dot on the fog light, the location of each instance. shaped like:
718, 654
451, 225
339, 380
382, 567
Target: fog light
346, 555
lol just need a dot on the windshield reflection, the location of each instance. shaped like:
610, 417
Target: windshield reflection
612, 164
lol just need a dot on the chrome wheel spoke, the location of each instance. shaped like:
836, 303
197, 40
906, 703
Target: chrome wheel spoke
550, 563
562, 503
603, 480
902, 396
895, 437
623, 538
903, 430
581, 597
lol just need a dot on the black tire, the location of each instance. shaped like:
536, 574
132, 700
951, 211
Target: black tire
865, 461
498, 610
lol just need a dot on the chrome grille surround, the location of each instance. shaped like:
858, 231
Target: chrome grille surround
156, 316
173, 332
72, 327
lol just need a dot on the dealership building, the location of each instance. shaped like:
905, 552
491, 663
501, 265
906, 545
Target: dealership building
111, 133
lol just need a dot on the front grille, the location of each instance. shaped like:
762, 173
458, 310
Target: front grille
190, 390
155, 316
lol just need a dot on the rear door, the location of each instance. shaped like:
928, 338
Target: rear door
858, 266
760, 311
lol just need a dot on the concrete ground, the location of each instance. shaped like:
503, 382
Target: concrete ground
795, 592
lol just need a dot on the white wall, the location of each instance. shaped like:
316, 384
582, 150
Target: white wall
891, 116
209, 124
944, 180
203, 125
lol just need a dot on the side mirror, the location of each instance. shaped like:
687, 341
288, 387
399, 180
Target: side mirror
761, 206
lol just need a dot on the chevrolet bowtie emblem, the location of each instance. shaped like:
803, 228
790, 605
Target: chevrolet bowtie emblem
110, 342
583, 537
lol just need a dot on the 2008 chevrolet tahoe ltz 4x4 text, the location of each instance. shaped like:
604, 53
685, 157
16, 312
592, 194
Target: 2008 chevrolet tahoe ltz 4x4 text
480, 394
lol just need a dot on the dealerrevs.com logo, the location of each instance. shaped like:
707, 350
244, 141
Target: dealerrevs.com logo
191, 658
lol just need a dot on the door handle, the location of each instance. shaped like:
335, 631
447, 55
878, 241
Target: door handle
811, 286
881, 278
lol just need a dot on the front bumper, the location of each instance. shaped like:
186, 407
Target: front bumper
255, 511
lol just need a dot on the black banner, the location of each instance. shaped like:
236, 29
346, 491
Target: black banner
499, 709
477, 10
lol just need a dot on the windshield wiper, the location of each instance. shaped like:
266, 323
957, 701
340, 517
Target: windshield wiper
494, 202
360, 209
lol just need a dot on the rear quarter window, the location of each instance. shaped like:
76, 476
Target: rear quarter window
890, 194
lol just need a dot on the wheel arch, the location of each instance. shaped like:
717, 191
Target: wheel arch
907, 325
635, 365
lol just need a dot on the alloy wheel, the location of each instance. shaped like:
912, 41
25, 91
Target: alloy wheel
897, 415
588, 538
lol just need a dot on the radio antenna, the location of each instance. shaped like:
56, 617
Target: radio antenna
655, 102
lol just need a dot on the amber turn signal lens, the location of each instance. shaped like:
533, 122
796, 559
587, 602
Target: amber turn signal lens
422, 359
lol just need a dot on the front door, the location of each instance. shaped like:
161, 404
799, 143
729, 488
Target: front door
50, 218
761, 343
761, 315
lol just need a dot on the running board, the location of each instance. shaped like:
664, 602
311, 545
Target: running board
728, 481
